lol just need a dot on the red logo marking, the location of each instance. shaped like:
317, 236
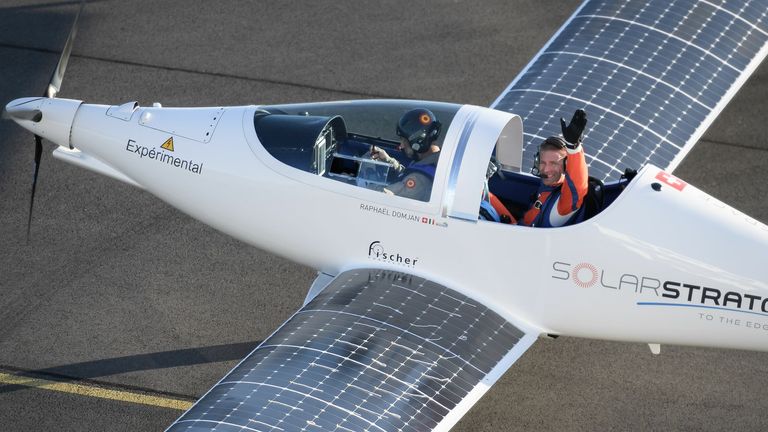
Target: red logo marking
578, 273
410, 183
671, 180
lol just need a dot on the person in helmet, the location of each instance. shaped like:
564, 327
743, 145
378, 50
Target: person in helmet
561, 164
418, 130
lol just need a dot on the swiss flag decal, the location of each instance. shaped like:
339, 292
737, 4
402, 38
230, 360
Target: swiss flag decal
671, 180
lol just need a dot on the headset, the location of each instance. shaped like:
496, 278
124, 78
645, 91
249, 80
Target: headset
554, 143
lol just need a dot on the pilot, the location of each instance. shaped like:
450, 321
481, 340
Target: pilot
561, 164
418, 130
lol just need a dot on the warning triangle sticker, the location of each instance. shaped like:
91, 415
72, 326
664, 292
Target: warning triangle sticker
168, 144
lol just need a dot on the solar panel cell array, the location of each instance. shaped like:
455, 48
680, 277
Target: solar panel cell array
376, 350
648, 73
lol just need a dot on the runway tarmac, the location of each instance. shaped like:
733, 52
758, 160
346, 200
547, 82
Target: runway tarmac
120, 299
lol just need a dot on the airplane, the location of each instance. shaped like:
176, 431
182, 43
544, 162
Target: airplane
393, 331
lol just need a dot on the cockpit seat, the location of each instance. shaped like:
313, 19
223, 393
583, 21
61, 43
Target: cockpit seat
595, 198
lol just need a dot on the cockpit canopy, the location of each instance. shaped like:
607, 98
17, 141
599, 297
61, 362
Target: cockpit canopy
334, 139
374, 118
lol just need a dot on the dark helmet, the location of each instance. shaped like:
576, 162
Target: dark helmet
420, 127
551, 143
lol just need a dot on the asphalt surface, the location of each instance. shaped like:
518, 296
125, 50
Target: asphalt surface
116, 289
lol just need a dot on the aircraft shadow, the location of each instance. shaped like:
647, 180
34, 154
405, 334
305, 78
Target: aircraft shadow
138, 362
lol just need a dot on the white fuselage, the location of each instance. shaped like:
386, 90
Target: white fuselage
661, 266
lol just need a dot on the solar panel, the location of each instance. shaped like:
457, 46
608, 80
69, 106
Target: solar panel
375, 350
652, 76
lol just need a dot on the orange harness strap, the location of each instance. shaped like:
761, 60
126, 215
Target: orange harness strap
501, 209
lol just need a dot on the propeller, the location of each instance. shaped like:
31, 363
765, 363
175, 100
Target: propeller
54, 85
38, 153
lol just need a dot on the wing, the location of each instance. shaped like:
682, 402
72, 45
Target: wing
652, 75
375, 350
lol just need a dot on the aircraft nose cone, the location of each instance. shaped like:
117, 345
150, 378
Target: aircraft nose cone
45, 117
25, 109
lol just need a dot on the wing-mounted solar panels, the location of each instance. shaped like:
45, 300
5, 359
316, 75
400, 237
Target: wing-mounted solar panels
375, 351
652, 75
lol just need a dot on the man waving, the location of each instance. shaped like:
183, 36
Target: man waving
561, 164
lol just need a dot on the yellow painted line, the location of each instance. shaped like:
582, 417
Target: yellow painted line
94, 391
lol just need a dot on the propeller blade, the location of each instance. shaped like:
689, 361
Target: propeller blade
54, 85
38, 154
58, 75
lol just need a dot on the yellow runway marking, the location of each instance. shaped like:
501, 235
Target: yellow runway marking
94, 391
